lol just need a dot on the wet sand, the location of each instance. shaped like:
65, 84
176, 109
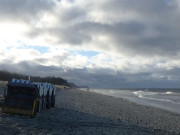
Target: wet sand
87, 113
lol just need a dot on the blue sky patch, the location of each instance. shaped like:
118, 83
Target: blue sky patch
41, 49
84, 53
88, 53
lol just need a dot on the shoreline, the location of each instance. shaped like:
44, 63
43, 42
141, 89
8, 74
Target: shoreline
133, 102
165, 104
123, 110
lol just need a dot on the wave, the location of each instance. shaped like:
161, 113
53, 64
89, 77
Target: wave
111, 91
141, 93
138, 93
168, 99
169, 92
145, 94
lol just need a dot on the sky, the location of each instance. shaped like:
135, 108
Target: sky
104, 44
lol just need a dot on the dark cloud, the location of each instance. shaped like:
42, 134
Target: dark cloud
147, 7
73, 15
144, 28
154, 30
157, 15
95, 78
24, 10
72, 35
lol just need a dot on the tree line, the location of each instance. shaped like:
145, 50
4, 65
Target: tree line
7, 76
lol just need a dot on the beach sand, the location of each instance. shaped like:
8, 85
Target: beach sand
85, 113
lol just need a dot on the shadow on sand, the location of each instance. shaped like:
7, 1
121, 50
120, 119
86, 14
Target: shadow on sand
69, 122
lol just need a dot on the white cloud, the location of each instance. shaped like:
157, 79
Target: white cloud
140, 37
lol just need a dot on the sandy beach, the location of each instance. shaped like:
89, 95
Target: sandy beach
81, 112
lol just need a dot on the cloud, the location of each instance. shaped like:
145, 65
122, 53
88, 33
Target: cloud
135, 40
104, 78
132, 28
20, 10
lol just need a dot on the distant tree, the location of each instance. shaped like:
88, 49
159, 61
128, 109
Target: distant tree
7, 76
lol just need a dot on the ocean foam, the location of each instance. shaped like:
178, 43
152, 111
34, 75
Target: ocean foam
145, 94
142, 94
138, 93
169, 92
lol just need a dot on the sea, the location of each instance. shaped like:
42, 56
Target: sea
168, 99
